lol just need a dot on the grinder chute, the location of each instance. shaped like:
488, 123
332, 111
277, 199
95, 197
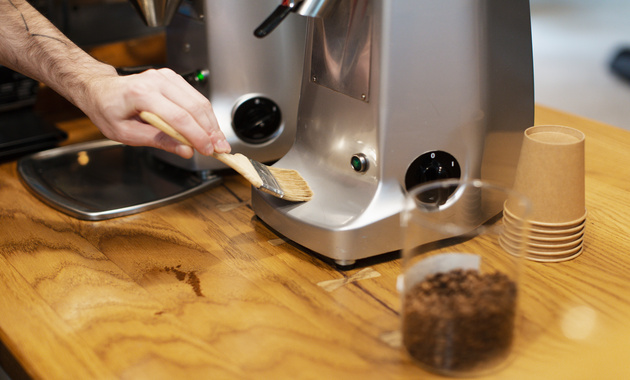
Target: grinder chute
156, 13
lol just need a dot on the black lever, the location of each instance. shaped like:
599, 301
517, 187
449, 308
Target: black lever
276, 18
620, 64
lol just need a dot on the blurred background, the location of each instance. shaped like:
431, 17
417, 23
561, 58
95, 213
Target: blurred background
574, 43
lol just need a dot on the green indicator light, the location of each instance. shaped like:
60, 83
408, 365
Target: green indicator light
356, 163
200, 76
359, 162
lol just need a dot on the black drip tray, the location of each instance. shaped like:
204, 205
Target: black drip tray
104, 179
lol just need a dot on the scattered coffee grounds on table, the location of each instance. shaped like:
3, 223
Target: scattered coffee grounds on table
460, 320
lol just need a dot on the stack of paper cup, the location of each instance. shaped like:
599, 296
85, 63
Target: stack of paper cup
550, 173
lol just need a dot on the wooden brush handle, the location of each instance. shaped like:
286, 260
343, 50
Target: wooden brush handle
163, 126
157, 122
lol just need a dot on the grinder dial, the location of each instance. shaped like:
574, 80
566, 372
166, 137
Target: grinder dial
431, 166
257, 120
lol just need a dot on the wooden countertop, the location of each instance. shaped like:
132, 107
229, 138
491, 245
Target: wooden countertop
202, 289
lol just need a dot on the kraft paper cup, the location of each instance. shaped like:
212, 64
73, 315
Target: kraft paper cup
550, 172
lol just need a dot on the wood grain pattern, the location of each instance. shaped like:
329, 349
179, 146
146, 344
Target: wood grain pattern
203, 289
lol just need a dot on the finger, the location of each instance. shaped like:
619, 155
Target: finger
190, 113
138, 133
185, 124
169, 144
192, 100
201, 110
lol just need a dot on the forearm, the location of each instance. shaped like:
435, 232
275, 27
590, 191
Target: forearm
30, 44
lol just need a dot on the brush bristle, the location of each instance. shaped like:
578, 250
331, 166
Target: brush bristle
295, 187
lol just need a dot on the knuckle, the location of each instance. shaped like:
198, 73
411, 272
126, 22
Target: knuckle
200, 106
139, 89
165, 71
151, 72
180, 117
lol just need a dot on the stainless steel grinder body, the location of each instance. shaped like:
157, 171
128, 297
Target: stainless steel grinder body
396, 93
253, 84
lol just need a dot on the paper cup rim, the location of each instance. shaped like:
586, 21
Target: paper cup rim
547, 225
544, 234
542, 237
552, 232
528, 253
563, 252
554, 235
560, 129
559, 240
544, 248
562, 225
552, 259
555, 247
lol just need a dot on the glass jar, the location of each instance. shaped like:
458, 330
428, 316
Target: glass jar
460, 279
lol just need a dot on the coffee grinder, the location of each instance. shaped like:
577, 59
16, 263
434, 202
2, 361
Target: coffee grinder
395, 94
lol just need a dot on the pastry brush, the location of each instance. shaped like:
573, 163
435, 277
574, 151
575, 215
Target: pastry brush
287, 184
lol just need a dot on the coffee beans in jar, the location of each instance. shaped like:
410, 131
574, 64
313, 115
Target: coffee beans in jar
460, 320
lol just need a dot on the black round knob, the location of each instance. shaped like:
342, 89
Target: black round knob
434, 171
257, 120
431, 166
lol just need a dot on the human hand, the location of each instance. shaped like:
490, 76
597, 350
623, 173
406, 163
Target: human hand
114, 103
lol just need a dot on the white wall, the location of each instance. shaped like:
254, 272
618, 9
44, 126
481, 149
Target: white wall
574, 41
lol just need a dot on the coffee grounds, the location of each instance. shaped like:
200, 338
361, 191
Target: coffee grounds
460, 320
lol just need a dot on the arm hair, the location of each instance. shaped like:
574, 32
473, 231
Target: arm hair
30, 44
